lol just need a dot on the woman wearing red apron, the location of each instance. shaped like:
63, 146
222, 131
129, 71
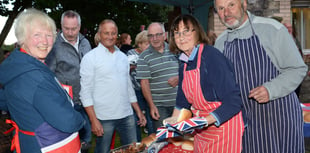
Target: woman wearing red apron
42, 113
207, 87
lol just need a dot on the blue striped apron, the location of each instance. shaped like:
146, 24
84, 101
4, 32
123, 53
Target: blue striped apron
273, 127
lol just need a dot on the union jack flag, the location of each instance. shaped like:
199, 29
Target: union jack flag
190, 124
180, 128
163, 133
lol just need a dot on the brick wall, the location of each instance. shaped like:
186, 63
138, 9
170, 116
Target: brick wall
285, 11
218, 26
281, 8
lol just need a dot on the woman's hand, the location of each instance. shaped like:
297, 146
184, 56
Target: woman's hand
170, 120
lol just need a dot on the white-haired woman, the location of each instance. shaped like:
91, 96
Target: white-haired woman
40, 109
142, 43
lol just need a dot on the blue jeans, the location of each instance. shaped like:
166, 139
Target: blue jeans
144, 107
84, 133
124, 126
164, 113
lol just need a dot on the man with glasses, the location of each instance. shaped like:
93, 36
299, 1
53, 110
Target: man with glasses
64, 60
106, 91
157, 69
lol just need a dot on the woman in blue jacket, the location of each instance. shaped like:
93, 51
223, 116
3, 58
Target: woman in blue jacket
41, 110
207, 87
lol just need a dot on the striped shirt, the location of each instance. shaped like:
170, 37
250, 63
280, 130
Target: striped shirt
133, 57
158, 68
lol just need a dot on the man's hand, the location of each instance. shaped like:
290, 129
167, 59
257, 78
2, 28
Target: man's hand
136, 107
154, 112
97, 128
173, 81
260, 94
146, 90
142, 119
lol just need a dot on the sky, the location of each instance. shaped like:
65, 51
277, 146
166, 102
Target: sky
10, 39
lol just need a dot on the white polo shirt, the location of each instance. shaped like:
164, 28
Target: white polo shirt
106, 84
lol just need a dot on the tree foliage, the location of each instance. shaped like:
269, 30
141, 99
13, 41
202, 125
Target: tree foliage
128, 15
17, 7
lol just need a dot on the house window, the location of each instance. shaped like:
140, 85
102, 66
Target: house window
301, 25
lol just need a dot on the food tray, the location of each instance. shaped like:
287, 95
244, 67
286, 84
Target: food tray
130, 148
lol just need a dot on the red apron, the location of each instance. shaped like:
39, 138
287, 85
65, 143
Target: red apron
71, 144
15, 140
224, 139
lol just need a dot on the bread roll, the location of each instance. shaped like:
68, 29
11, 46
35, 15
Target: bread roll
149, 139
306, 115
188, 145
184, 115
305, 112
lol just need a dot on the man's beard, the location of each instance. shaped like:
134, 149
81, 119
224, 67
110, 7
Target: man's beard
237, 22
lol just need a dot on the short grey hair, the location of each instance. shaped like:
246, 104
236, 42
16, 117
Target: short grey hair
105, 21
216, 8
27, 18
71, 14
160, 24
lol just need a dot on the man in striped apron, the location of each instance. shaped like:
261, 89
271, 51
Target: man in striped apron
268, 69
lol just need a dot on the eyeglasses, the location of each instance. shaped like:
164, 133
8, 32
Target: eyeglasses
187, 32
151, 36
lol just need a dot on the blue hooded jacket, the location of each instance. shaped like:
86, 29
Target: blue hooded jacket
36, 102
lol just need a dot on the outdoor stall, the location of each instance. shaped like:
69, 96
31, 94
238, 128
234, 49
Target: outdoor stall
176, 136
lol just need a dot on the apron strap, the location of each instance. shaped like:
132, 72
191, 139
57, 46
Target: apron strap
15, 141
199, 55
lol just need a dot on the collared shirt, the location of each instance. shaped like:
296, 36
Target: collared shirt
76, 45
106, 84
183, 57
158, 68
